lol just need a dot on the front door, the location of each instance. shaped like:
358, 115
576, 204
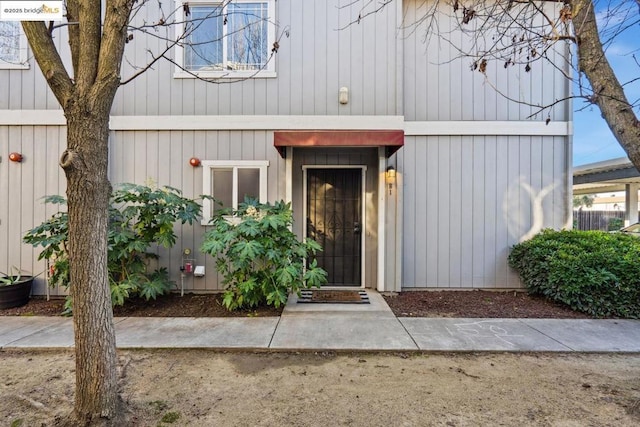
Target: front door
334, 220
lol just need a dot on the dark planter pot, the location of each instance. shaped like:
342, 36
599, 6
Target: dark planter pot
17, 294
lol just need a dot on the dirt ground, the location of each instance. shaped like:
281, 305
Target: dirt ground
205, 388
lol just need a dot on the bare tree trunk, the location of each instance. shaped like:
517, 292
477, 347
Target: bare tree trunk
97, 36
608, 92
85, 164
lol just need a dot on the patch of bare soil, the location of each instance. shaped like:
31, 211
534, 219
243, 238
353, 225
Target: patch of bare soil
480, 304
204, 388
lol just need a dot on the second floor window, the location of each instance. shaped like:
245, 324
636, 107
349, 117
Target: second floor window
230, 39
13, 46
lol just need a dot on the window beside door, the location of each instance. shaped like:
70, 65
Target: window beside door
230, 182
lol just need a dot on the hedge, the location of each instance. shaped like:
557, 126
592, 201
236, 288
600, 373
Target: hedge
591, 271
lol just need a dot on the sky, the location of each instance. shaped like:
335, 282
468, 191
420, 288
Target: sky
593, 140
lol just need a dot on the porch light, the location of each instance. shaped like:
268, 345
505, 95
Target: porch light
390, 177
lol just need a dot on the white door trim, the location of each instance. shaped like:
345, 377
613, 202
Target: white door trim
363, 181
382, 214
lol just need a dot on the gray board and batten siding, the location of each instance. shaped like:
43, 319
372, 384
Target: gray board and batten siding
312, 63
164, 158
388, 70
469, 189
467, 201
23, 187
441, 85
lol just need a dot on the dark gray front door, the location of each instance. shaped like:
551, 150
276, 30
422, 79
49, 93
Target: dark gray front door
334, 210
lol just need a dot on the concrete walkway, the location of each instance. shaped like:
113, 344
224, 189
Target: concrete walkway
322, 327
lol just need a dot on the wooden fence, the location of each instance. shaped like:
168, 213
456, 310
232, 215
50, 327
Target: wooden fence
598, 220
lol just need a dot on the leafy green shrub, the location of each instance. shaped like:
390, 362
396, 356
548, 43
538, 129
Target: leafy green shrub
615, 224
591, 271
258, 255
140, 217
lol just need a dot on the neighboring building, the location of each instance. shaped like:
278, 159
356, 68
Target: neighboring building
615, 183
470, 174
612, 202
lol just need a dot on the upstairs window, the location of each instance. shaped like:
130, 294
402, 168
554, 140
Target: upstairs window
13, 46
230, 39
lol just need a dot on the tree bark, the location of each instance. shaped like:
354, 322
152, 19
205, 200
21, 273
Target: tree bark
85, 163
97, 49
608, 92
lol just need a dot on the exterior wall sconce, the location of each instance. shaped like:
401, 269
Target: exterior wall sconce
15, 157
390, 177
343, 95
194, 161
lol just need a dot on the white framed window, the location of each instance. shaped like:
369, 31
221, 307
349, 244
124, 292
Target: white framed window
230, 182
226, 39
13, 46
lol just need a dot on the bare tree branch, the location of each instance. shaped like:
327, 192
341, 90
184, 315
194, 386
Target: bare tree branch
74, 33
364, 12
112, 46
49, 61
521, 32
90, 35
608, 93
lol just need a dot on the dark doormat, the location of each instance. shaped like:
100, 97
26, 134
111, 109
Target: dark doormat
333, 297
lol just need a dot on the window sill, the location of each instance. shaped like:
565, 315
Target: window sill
7, 66
231, 75
231, 219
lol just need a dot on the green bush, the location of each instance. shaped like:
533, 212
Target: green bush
140, 217
591, 271
260, 258
615, 224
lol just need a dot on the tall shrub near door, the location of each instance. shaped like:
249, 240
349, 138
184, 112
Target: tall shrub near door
258, 255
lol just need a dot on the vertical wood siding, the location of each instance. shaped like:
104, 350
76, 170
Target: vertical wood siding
440, 85
315, 61
23, 187
27, 89
311, 65
467, 203
139, 157
163, 158
465, 198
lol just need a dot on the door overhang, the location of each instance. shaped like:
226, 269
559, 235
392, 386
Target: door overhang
391, 140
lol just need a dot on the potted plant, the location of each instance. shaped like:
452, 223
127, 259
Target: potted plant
15, 289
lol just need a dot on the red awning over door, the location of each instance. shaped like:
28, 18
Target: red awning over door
391, 139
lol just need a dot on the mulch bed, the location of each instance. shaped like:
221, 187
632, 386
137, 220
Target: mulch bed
480, 304
172, 305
